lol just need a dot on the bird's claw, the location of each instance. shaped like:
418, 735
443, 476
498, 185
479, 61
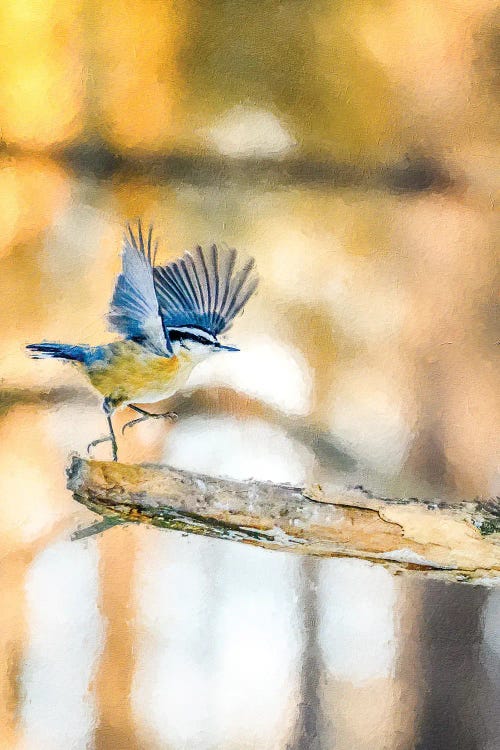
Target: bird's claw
172, 416
132, 423
96, 442
107, 438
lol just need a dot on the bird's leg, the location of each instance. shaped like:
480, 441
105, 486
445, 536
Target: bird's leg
167, 414
148, 415
111, 436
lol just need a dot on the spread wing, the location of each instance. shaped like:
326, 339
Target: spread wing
134, 310
205, 289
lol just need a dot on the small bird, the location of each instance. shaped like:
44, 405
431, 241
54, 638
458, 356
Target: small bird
170, 318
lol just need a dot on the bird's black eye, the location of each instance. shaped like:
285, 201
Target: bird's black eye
184, 337
175, 336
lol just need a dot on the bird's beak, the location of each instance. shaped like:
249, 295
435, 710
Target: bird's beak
228, 348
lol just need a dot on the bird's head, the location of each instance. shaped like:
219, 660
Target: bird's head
197, 342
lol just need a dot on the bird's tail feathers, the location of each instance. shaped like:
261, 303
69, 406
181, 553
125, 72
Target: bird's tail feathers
49, 350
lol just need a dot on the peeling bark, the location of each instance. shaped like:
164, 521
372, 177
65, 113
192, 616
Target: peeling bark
456, 542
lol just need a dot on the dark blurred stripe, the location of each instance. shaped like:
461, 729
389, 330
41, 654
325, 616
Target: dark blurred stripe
10, 397
311, 730
97, 159
455, 683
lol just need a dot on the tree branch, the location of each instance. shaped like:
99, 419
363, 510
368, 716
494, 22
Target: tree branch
456, 542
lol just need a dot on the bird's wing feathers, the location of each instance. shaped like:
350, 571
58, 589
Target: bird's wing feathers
205, 289
134, 310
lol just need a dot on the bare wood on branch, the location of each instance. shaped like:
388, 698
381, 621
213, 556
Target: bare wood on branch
459, 542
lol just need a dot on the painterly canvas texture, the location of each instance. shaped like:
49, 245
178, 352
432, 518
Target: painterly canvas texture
350, 148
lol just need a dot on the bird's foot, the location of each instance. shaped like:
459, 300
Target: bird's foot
105, 440
172, 416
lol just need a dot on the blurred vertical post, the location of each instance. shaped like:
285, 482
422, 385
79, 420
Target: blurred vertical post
12, 642
308, 729
116, 727
454, 680
138, 92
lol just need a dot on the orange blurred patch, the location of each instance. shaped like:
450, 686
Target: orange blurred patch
32, 483
41, 79
137, 46
31, 192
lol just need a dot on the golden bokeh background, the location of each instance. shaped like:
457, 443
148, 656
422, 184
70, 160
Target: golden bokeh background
351, 147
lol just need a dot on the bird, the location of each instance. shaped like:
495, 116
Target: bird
169, 317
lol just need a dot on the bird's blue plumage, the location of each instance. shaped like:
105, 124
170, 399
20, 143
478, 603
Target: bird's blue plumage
134, 310
87, 355
203, 290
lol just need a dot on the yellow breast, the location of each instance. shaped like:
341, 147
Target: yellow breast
132, 374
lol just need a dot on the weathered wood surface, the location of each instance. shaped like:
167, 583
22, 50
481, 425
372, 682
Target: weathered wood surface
456, 542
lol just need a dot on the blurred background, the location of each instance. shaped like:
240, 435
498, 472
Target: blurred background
351, 147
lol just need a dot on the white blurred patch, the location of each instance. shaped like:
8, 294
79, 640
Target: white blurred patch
248, 131
265, 369
357, 629
65, 639
258, 648
366, 305
301, 261
71, 427
368, 417
217, 661
74, 239
249, 449
174, 659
